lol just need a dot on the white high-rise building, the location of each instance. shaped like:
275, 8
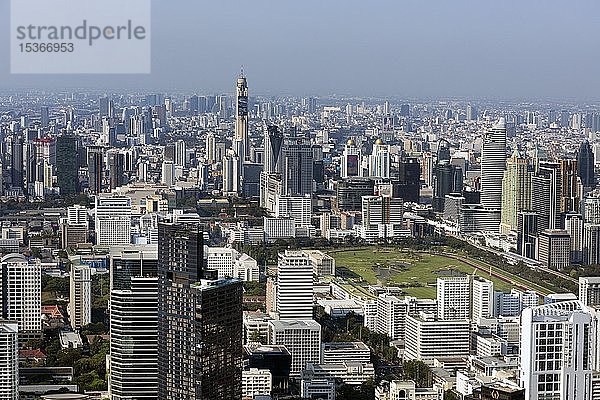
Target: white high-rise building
9, 360
210, 148
294, 286
589, 290
302, 338
558, 351
483, 298
80, 302
428, 338
453, 296
493, 163
180, 153
379, 160
21, 294
231, 173
351, 158
113, 220
391, 316
298, 208
77, 215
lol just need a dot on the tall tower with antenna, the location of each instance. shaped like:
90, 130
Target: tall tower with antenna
241, 116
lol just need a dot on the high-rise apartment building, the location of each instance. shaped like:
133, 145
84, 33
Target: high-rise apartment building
21, 294
558, 350
80, 300
589, 291
516, 191
9, 360
483, 298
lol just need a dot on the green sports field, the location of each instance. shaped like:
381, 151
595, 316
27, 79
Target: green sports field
415, 272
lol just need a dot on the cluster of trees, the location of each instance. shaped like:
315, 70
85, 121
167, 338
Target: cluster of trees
88, 362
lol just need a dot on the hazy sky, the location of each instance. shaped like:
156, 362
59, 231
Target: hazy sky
406, 48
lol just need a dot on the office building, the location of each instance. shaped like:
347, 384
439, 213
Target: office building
558, 349
574, 227
116, 169
585, 165
297, 165
67, 178
589, 291
80, 300
95, 165
453, 294
382, 218
391, 316
294, 299
133, 346
276, 359
408, 185
545, 195
527, 229
133, 340
21, 295
9, 360
194, 311
554, 249
349, 193
302, 338
591, 244
447, 179
113, 220
428, 338
493, 163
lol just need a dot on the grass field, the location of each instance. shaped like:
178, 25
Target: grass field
415, 272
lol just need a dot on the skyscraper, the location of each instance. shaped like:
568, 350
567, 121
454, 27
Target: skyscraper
493, 163
297, 165
516, 191
66, 164
113, 220
199, 322
273, 142
21, 294
379, 160
453, 296
570, 186
585, 165
95, 164
116, 169
241, 116
350, 165
558, 349
545, 195
9, 360
80, 301
133, 346
483, 298
294, 286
